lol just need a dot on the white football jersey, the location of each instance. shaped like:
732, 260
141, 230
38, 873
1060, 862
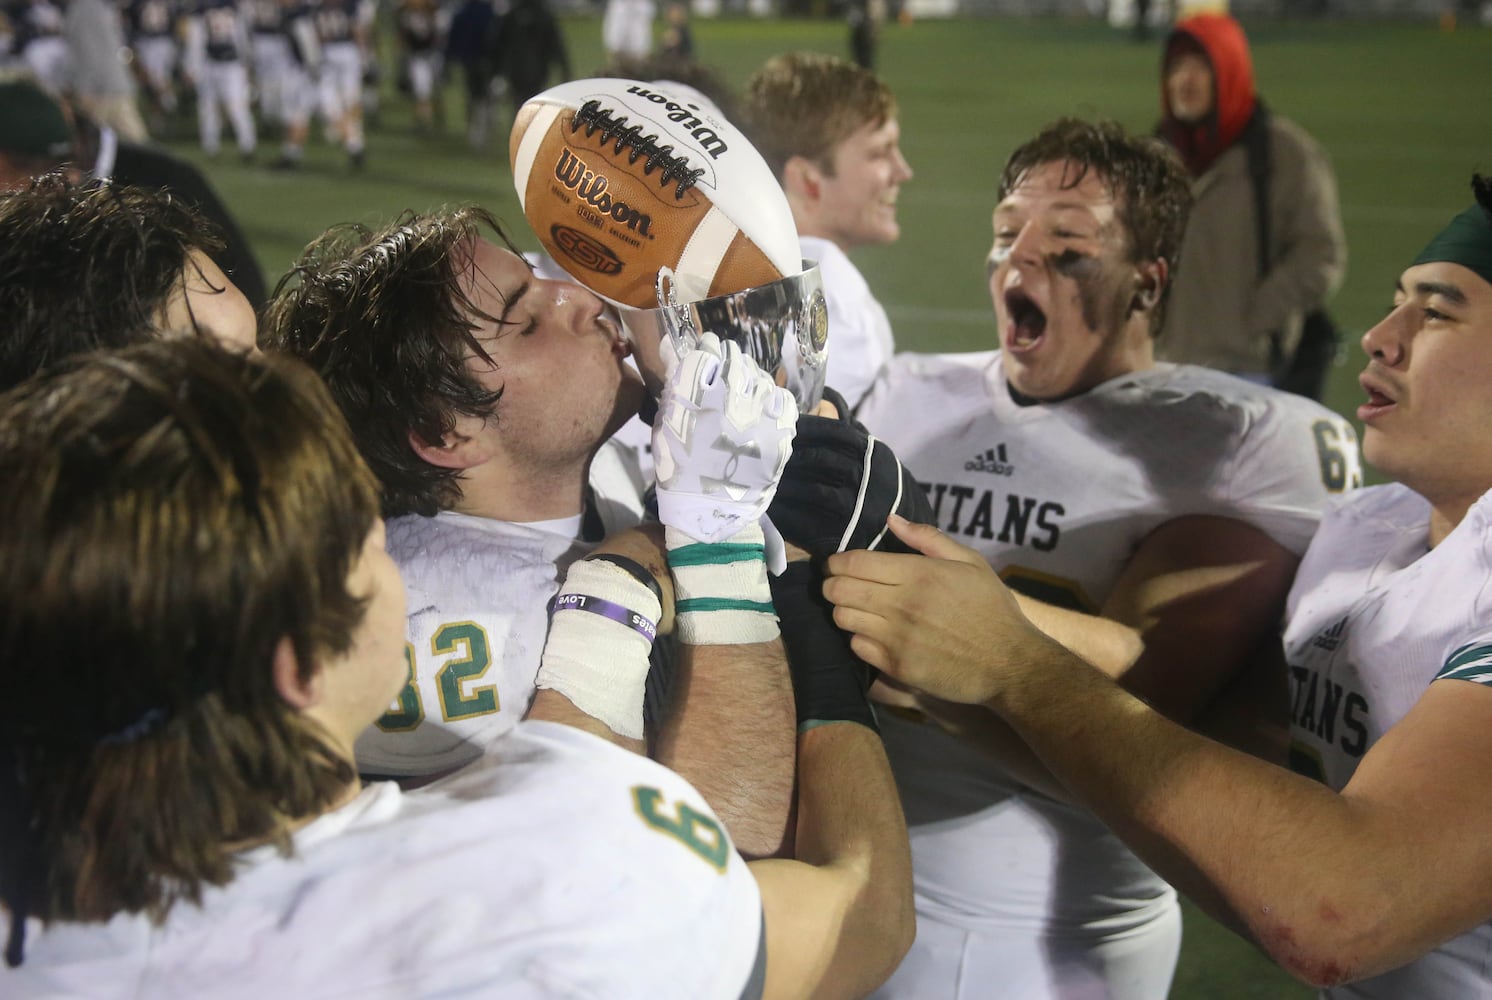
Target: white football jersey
478, 598
1057, 496
1375, 617
560, 866
860, 340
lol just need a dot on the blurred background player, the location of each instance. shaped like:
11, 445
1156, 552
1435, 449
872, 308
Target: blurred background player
627, 28
527, 47
1144, 511
1390, 682
278, 641
302, 80
466, 46
152, 26
865, 18
829, 131
677, 40
270, 46
1264, 249
343, 29
216, 61
418, 28
102, 86
37, 37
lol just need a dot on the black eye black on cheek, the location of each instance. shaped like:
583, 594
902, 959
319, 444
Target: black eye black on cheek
1071, 262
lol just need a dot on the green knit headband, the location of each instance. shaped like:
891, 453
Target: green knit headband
1466, 241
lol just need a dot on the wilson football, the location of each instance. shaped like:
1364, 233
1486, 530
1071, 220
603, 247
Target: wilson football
619, 178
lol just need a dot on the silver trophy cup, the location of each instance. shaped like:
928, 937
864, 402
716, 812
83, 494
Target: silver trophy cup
782, 325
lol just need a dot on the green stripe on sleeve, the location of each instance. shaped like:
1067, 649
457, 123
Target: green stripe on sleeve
1469, 663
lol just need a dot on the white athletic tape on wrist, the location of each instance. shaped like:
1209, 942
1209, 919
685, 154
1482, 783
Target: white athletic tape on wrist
597, 661
721, 595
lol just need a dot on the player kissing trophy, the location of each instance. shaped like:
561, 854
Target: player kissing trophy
646, 194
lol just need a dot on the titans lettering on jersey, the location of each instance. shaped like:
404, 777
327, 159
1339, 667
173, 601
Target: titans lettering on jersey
1331, 716
1325, 708
1008, 518
1375, 617
1334, 714
1057, 496
1340, 717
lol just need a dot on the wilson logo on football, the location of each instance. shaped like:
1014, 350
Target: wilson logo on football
575, 174
709, 140
585, 251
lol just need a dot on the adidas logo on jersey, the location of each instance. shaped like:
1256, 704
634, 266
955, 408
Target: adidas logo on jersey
1331, 637
991, 460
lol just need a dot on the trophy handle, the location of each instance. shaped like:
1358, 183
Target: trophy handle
678, 322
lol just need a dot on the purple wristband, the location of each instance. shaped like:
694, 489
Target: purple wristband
606, 609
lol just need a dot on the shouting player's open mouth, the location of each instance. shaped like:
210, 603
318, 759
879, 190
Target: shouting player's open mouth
1026, 323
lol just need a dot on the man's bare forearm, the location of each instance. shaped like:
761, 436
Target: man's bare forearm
840, 918
849, 815
1111, 646
1316, 878
730, 730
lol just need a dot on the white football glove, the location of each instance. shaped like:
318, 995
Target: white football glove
722, 438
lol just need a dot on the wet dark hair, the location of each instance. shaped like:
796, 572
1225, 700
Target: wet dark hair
88, 266
173, 512
1151, 190
382, 317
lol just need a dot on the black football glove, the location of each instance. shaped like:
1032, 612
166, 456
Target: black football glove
839, 486
829, 680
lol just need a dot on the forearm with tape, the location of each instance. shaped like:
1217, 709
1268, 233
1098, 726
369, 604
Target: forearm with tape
602, 625
721, 596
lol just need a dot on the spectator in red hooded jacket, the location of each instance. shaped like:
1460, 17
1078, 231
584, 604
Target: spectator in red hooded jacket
1233, 306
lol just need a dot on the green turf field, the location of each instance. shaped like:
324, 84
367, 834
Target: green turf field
1401, 108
